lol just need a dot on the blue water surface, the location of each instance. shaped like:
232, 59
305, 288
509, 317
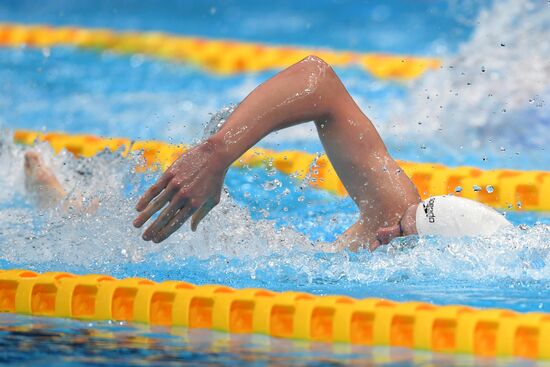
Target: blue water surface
269, 228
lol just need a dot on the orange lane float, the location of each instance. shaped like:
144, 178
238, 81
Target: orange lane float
218, 56
289, 315
508, 189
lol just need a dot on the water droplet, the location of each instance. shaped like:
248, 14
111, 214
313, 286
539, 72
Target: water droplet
458, 189
490, 189
136, 60
518, 204
502, 149
301, 198
483, 69
271, 185
423, 146
476, 188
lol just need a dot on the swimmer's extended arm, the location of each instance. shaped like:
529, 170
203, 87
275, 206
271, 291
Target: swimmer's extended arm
306, 91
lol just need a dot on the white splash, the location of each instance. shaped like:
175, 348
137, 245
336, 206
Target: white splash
496, 88
105, 238
229, 241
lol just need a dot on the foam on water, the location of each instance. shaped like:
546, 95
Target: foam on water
229, 244
95, 240
494, 92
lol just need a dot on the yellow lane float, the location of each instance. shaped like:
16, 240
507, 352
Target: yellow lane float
290, 315
218, 56
499, 188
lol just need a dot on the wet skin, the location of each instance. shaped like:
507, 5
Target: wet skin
307, 91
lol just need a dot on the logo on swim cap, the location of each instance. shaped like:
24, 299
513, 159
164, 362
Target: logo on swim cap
429, 210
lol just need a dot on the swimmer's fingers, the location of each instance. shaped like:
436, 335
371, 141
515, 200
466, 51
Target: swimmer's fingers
153, 191
175, 223
202, 212
154, 206
164, 217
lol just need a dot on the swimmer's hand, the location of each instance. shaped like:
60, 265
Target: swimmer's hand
405, 227
385, 235
191, 186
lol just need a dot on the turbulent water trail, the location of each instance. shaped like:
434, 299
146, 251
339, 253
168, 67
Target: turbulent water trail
106, 237
496, 89
229, 241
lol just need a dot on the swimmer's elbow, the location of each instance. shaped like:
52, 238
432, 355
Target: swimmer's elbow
320, 76
314, 61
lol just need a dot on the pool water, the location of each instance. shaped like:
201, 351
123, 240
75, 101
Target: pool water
71, 343
269, 228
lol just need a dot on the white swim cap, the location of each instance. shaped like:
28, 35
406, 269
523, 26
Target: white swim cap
454, 217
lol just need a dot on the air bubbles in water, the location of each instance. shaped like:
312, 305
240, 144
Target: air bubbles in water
510, 75
458, 189
217, 120
490, 189
271, 185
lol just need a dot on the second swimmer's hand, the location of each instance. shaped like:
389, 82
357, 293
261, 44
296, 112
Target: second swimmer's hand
191, 187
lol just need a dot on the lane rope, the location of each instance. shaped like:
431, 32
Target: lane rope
500, 188
218, 56
290, 315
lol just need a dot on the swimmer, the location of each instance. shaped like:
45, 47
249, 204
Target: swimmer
40, 181
43, 186
389, 203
